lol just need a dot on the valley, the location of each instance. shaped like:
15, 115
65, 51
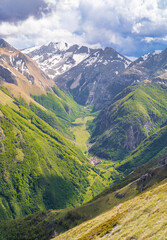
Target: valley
86, 158
81, 133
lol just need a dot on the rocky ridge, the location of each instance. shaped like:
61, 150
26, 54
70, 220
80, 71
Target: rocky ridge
18, 69
86, 73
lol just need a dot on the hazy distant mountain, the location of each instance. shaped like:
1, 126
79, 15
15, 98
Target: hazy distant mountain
148, 66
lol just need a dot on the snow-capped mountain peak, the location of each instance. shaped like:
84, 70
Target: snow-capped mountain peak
83, 71
55, 58
148, 55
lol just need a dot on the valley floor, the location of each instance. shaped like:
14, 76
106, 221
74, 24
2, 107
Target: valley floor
81, 133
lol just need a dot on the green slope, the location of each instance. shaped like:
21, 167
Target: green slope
47, 224
62, 105
149, 149
143, 217
143, 191
39, 168
135, 114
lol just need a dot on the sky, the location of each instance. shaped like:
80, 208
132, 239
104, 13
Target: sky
132, 27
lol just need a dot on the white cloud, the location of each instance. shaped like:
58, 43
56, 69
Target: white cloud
106, 22
155, 39
136, 28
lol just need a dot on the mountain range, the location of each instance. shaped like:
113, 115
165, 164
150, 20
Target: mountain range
84, 72
68, 171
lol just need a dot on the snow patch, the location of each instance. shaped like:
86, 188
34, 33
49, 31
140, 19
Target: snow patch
90, 61
145, 57
105, 62
28, 50
11, 59
62, 46
79, 57
127, 63
156, 52
119, 56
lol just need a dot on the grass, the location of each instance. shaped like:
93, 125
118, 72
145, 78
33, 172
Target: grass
33, 226
6, 99
143, 217
62, 105
40, 169
132, 117
81, 133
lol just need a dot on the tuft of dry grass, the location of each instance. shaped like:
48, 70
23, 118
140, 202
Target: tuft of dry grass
5, 99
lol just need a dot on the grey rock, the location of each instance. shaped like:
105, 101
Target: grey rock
84, 72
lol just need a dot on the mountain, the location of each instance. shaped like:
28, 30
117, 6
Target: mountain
48, 188
149, 66
84, 72
24, 79
56, 58
143, 189
22, 72
40, 167
132, 219
136, 113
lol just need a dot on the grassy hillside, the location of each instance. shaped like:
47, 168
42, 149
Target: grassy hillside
131, 220
146, 179
135, 114
62, 105
39, 168
150, 148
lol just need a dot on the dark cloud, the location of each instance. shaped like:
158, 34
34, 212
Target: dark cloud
19, 10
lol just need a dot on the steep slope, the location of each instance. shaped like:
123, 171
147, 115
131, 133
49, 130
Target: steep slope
136, 113
141, 190
89, 80
148, 66
61, 104
151, 64
40, 169
133, 219
24, 79
55, 58
84, 72
20, 74
148, 179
